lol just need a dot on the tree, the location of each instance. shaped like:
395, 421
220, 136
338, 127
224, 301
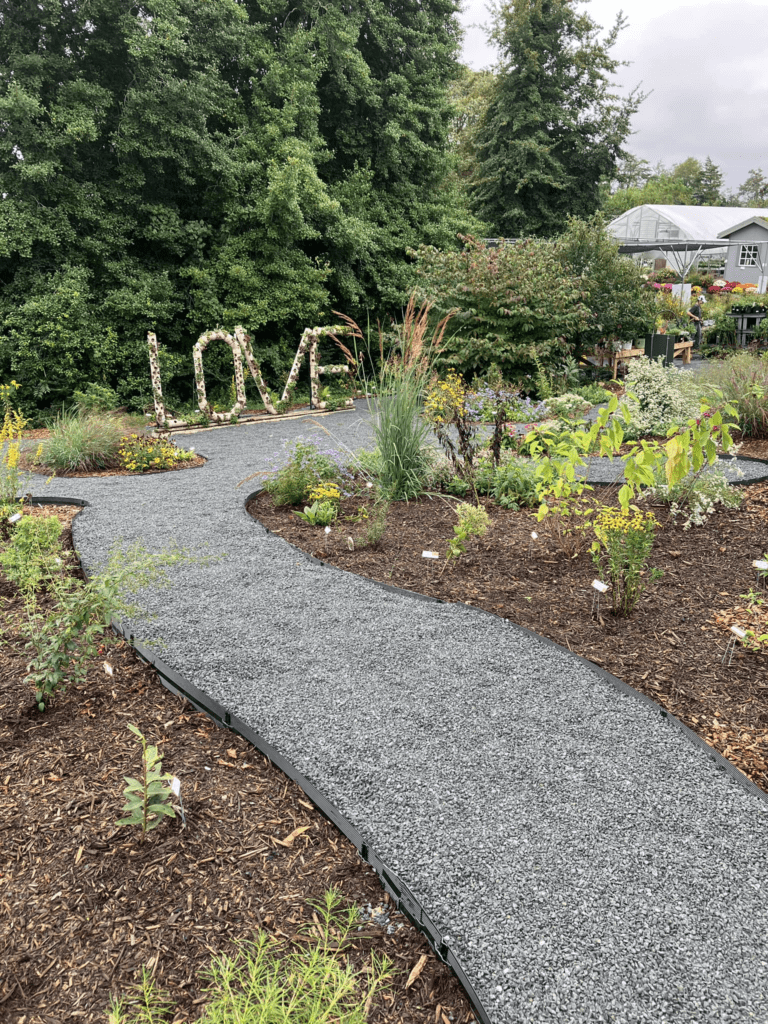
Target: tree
553, 129
754, 191
180, 164
612, 286
470, 94
510, 299
710, 187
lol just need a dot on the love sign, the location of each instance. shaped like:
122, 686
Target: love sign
240, 344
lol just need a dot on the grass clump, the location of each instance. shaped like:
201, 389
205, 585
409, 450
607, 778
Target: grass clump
743, 380
261, 984
82, 442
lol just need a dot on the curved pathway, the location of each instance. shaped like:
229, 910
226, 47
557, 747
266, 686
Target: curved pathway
583, 859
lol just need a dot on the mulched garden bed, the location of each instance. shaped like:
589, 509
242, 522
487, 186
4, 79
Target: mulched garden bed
85, 905
670, 649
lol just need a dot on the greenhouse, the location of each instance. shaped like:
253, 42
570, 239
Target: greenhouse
688, 234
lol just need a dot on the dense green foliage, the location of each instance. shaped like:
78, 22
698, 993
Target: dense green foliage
552, 129
612, 285
534, 303
184, 163
510, 299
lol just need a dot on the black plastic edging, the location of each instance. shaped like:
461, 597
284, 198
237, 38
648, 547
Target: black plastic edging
404, 900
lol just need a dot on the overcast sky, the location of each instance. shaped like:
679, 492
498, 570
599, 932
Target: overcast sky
707, 65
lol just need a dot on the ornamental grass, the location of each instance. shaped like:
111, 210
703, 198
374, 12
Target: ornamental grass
82, 443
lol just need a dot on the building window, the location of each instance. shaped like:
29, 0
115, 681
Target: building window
747, 255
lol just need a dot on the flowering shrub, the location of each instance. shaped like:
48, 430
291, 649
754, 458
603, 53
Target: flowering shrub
569, 407
695, 497
140, 454
624, 542
304, 464
658, 397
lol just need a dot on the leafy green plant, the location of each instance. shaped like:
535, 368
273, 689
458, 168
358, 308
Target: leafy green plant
148, 799
65, 639
376, 525
569, 407
33, 556
306, 466
319, 513
592, 393
96, 398
514, 485
81, 443
262, 984
624, 541
473, 522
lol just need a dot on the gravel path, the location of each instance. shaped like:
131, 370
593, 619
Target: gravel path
584, 860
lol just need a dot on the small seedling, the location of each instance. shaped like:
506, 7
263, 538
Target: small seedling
147, 800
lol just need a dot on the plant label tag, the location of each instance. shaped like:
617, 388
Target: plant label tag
369, 485
175, 786
429, 554
327, 529
15, 517
760, 564
600, 587
108, 669
534, 535
737, 631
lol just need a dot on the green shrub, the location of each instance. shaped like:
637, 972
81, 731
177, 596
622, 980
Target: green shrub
34, 554
569, 407
743, 380
695, 497
82, 443
96, 398
306, 466
658, 398
514, 485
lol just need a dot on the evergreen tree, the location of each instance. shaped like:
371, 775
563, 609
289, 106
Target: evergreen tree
553, 129
710, 187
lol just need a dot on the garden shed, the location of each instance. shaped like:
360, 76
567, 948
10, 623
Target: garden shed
747, 259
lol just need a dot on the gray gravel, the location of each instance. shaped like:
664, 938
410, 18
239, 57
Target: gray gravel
585, 861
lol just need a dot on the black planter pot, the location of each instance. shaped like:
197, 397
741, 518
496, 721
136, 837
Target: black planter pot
660, 345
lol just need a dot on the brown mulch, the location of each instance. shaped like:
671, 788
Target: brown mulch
84, 904
670, 649
27, 465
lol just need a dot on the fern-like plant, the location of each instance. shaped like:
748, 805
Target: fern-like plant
147, 800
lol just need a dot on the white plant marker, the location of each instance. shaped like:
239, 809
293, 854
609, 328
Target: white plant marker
431, 557
325, 541
599, 588
15, 517
531, 542
737, 633
108, 669
761, 570
176, 790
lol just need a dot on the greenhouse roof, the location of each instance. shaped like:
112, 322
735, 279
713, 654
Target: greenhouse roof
656, 221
